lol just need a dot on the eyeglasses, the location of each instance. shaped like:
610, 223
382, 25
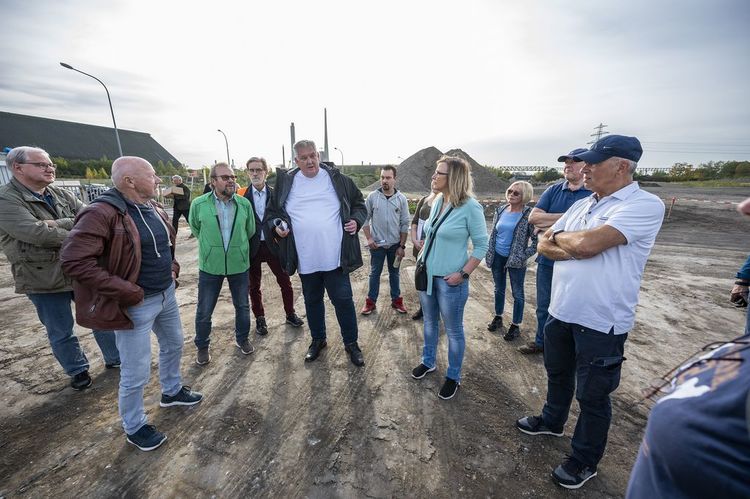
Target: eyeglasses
255, 170
511, 191
225, 178
41, 165
667, 383
440, 173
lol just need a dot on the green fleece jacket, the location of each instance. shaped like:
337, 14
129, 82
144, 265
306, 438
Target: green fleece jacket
204, 223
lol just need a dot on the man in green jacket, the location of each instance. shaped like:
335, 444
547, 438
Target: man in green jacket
35, 218
223, 223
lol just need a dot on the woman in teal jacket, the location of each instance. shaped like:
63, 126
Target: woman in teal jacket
459, 218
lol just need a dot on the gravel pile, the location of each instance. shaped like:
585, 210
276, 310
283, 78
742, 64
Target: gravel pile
415, 172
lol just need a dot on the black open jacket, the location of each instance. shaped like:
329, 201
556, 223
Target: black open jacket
352, 208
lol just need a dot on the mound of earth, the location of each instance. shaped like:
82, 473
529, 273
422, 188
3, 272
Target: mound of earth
415, 173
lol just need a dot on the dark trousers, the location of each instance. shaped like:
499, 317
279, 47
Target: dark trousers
543, 294
339, 290
592, 360
256, 295
209, 288
176, 214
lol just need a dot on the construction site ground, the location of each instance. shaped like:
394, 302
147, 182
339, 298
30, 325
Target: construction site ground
271, 425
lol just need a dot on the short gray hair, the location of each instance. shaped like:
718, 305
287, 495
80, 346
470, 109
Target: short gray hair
304, 144
20, 154
632, 165
176, 176
212, 173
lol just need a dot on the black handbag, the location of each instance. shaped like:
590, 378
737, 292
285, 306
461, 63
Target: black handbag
420, 273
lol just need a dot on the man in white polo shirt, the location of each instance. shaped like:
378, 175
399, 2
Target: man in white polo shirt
600, 247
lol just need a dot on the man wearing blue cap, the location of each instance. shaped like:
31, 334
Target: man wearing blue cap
600, 247
552, 204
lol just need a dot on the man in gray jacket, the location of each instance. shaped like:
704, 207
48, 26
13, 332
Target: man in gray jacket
35, 218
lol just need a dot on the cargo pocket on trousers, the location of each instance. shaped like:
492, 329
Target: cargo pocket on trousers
603, 377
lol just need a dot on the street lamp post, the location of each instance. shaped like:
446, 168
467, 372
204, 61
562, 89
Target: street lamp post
227, 144
117, 135
342, 155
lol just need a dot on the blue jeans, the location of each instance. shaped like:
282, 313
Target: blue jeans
446, 302
209, 287
54, 312
517, 277
543, 294
592, 360
339, 289
377, 259
161, 314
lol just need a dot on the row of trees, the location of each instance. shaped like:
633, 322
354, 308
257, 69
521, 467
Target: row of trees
679, 172
102, 168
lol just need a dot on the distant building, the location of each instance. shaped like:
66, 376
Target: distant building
70, 140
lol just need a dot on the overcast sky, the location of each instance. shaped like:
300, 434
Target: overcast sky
511, 83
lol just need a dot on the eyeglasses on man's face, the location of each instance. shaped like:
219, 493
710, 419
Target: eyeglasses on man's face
40, 164
225, 178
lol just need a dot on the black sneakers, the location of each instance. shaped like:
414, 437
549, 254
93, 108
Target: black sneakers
203, 357
294, 320
572, 473
184, 397
260, 326
245, 346
513, 332
534, 425
81, 381
421, 371
449, 389
496, 325
147, 438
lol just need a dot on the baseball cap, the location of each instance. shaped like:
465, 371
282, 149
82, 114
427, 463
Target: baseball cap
612, 145
571, 154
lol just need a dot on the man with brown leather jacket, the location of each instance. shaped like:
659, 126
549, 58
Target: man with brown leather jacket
35, 218
119, 255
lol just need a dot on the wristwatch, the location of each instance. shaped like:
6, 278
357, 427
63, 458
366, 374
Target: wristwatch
552, 237
464, 274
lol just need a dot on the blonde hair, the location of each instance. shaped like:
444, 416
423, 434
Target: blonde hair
527, 190
460, 183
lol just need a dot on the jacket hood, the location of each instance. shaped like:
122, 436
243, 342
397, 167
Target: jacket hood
113, 197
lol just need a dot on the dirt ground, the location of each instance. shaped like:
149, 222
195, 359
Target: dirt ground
273, 426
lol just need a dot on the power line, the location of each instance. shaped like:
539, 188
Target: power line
599, 133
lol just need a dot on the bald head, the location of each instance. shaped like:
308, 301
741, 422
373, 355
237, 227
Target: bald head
135, 178
126, 166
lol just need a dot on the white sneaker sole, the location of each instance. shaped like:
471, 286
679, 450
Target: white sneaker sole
451, 395
146, 449
576, 486
244, 352
179, 402
425, 373
548, 432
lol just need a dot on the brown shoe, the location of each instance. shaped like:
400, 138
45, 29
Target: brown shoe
531, 348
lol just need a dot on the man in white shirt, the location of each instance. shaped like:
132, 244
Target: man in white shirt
600, 247
316, 213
